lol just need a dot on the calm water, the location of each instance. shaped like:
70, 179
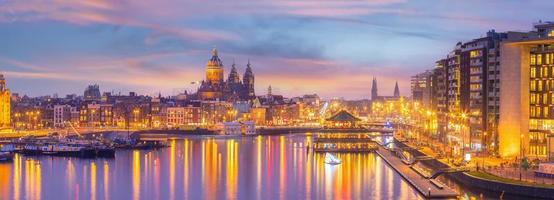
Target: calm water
263, 167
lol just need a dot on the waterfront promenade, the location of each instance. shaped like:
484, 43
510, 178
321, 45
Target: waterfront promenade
423, 185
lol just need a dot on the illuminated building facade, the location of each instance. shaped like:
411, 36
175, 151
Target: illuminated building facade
526, 101
183, 116
421, 88
465, 94
5, 105
62, 115
96, 115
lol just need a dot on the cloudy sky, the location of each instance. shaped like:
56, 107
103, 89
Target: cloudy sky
329, 47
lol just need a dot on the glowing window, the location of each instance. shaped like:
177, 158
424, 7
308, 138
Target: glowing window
474, 53
551, 33
533, 59
539, 59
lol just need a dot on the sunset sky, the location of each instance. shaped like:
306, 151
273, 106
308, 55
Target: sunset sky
329, 47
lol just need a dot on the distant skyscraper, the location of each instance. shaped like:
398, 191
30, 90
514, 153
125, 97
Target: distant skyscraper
396, 90
374, 95
4, 104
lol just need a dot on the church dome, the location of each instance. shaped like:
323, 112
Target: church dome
214, 61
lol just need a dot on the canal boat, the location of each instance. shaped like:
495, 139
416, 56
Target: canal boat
331, 160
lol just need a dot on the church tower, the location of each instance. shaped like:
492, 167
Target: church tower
214, 70
374, 94
4, 104
233, 75
396, 90
248, 81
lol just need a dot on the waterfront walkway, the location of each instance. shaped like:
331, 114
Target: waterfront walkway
421, 184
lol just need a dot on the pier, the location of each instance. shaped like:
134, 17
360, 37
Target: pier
429, 188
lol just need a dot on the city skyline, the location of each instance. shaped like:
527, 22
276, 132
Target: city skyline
297, 47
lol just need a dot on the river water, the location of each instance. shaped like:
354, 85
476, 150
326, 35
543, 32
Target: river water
260, 167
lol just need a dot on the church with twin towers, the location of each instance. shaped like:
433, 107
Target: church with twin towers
375, 95
215, 87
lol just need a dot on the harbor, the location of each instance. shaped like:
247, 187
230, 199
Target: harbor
77, 146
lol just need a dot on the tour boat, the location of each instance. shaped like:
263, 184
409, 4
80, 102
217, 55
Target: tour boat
331, 160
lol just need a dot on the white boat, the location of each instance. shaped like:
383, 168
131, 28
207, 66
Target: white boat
331, 160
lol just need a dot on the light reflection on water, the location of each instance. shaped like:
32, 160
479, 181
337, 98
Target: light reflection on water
261, 167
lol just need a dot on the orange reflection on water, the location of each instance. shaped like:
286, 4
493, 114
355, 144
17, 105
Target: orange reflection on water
231, 168
106, 180
308, 170
4, 181
136, 174
172, 170
16, 177
186, 153
259, 166
70, 178
33, 182
210, 172
282, 167
92, 180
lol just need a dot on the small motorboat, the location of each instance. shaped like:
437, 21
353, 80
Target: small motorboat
331, 160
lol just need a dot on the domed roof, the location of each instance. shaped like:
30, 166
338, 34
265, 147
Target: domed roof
215, 61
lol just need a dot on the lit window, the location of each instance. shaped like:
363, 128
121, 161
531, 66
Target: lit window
533, 72
474, 53
551, 33
533, 59
539, 59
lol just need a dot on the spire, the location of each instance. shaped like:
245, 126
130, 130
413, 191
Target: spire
269, 91
248, 82
374, 94
248, 68
233, 75
396, 90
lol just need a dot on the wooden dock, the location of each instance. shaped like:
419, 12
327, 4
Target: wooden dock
429, 188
